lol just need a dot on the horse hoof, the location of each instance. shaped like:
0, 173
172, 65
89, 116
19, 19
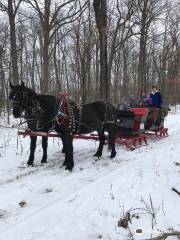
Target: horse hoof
43, 161
97, 155
69, 168
30, 164
113, 155
64, 163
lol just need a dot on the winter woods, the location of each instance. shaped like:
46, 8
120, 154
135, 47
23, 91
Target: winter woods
92, 49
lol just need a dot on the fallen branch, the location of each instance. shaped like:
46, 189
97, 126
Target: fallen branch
166, 235
176, 191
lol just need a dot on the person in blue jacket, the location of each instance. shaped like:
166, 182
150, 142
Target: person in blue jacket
156, 97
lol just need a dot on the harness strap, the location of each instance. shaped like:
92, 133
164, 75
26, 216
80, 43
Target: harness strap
64, 112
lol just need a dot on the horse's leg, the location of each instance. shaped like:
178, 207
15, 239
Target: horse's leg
32, 150
112, 135
63, 149
68, 147
44, 146
102, 139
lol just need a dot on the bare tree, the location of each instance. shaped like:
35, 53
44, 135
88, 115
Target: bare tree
123, 30
148, 13
52, 17
100, 9
11, 7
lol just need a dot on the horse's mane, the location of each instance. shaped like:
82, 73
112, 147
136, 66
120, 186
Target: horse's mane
39, 96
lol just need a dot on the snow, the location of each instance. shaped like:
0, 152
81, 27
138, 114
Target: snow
88, 203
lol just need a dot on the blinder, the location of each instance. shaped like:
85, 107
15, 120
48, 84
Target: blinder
22, 100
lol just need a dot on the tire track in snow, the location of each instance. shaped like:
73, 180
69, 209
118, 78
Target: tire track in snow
25, 172
82, 186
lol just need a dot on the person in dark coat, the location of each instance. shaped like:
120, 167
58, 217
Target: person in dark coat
157, 101
156, 97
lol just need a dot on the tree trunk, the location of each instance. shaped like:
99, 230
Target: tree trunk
142, 59
33, 64
46, 32
46, 63
100, 8
97, 68
13, 43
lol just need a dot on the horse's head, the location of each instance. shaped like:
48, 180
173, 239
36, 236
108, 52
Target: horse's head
19, 97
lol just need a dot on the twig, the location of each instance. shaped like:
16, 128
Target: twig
163, 208
152, 210
73, 199
176, 191
111, 193
130, 234
166, 235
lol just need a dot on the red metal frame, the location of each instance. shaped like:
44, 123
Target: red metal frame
159, 133
131, 142
44, 134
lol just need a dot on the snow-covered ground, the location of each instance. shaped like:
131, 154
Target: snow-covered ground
88, 203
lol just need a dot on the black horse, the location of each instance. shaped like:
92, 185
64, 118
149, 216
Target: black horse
47, 112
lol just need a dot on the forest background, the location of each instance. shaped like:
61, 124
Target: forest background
57, 46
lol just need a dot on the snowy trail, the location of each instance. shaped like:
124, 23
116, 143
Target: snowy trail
69, 195
87, 203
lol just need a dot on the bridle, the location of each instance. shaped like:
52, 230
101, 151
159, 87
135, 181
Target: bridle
28, 104
35, 113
